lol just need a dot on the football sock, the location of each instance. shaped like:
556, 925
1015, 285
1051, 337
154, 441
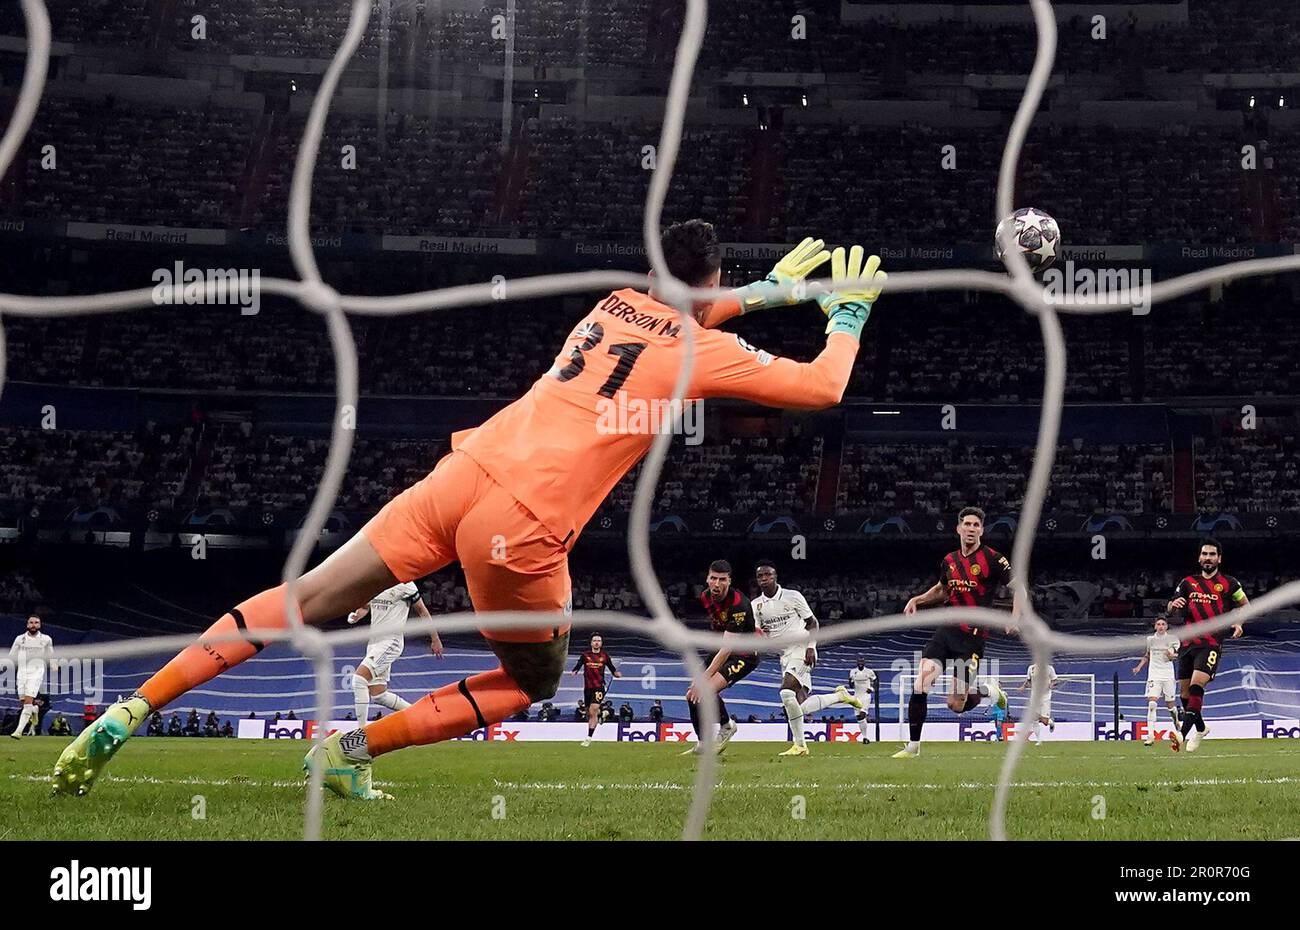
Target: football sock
1038, 730
451, 711
1195, 701
391, 700
361, 698
591, 729
1151, 719
816, 702
724, 716
201, 662
794, 714
917, 707
26, 715
862, 724
694, 708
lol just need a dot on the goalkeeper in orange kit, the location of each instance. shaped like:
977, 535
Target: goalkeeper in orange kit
510, 499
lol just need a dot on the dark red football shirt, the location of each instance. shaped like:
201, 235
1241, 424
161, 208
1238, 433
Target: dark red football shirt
973, 580
1207, 598
733, 614
593, 665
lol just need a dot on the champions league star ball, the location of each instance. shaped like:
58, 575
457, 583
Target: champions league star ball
1036, 233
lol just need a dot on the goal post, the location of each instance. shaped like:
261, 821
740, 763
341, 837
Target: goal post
1074, 699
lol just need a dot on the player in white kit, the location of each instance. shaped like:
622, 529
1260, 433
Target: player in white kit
863, 682
388, 612
31, 655
1162, 650
782, 613
1044, 712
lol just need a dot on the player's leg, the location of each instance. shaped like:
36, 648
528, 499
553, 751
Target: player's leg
1168, 690
594, 697
410, 537
720, 683
918, 705
735, 670
532, 576
351, 575
379, 692
1152, 695
863, 735
361, 680
27, 712
1203, 675
1169, 693
1186, 667
793, 694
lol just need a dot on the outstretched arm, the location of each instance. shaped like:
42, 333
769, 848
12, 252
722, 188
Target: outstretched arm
727, 366
790, 271
422, 613
931, 598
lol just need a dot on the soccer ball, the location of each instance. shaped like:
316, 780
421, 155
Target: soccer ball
1035, 233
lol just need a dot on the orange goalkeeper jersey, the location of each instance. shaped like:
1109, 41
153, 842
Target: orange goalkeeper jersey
562, 447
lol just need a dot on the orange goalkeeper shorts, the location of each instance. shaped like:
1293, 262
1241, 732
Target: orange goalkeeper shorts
458, 513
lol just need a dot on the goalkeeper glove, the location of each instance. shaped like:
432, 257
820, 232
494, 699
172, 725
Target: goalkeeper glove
848, 307
801, 261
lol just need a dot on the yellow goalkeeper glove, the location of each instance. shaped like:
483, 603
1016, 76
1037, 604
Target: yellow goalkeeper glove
848, 307
798, 263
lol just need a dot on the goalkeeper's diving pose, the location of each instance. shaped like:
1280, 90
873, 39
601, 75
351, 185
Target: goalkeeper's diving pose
510, 499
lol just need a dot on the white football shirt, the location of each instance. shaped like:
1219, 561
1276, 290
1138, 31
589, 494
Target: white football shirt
389, 609
1159, 666
782, 614
862, 679
30, 653
1051, 675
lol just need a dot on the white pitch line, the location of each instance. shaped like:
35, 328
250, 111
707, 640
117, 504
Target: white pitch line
887, 786
677, 786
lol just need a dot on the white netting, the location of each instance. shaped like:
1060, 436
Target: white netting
315, 295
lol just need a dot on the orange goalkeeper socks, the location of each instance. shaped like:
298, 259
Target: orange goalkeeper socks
451, 711
203, 661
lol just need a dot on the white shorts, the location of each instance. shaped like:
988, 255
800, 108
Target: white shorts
380, 655
29, 683
1046, 709
1165, 688
792, 663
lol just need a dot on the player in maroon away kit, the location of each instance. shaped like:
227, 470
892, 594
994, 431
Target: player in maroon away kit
1200, 598
969, 576
592, 664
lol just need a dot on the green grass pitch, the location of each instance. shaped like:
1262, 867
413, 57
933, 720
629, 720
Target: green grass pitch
249, 789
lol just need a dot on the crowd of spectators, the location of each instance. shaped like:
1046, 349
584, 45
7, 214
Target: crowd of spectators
947, 348
563, 178
120, 162
100, 477
281, 472
93, 475
760, 474
934, 478
18, 591
755, 35
1248, 471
